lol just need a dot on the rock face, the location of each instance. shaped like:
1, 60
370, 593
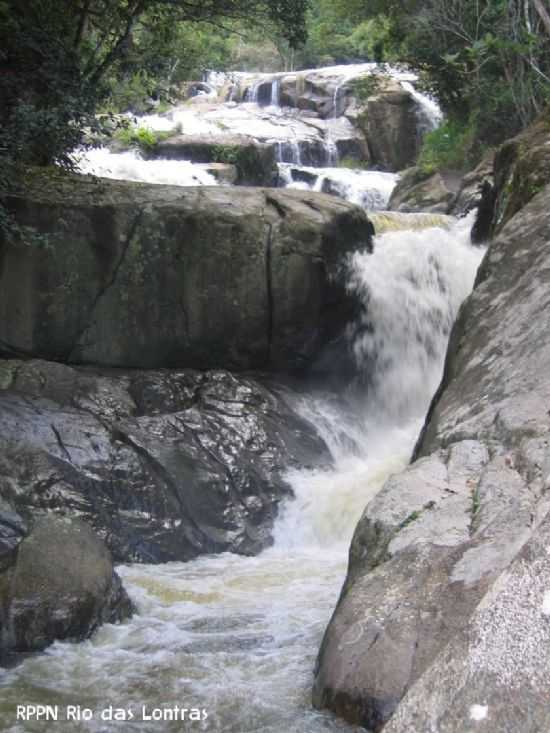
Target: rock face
137, 275
165, 465
57, 582
446, 595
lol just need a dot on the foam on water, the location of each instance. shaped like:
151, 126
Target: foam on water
239, 636
130, 166
370, 189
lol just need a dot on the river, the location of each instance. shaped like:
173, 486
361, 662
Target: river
238, 636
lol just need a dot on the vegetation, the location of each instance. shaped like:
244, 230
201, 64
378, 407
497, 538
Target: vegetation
60, 60
142, 138
453, 145
488, 61
63, 60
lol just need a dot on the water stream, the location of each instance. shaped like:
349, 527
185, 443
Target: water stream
239, 636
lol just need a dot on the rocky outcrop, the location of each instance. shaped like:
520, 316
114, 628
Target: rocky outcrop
418, 191
138, 275
391, 129
522, 169
165, 465
310, 117
254, 162
445, 600
56, 582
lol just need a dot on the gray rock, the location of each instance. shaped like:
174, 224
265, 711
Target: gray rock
417, 191
164, 465
450, 561
390, 125
60, 585
138, 275
254, 162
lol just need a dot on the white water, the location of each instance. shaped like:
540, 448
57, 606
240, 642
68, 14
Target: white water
239, 636
130, 166
291, 131
369, 189
429, 112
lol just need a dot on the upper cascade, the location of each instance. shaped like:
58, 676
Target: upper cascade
312, 117
300, 129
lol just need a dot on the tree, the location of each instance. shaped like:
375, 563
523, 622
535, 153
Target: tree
55, 56
487, 60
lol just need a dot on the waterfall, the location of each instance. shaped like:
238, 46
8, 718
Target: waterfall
335, 99
238, 636
288, 152
429, 112
276, 92
411, 288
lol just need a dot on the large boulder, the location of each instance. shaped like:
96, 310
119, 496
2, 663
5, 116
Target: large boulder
165, 465
254, 162
389, 120
57, 584
139, 275
420, 191
446, 593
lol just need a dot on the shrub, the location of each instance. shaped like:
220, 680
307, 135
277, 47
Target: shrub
452, 145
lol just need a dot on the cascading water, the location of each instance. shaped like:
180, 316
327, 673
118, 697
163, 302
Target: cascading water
130, 166
238, 636
429, 114
369, 189
275, 93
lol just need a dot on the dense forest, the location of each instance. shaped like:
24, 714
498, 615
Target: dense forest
61, 62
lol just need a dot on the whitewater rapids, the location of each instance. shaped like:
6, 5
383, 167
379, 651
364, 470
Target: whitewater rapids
239, 636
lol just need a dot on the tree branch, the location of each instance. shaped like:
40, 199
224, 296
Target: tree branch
543, 14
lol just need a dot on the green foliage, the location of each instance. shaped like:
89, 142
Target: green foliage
413, 516
365, 87
226, 154
450, 146
488, 60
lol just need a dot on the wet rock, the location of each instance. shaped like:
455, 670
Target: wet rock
482, 228
165, 465
60, 585
140, 275
459, 540
470, 191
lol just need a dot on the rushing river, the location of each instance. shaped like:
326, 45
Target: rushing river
239, 636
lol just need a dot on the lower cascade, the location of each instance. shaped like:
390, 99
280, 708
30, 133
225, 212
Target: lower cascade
233, 638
